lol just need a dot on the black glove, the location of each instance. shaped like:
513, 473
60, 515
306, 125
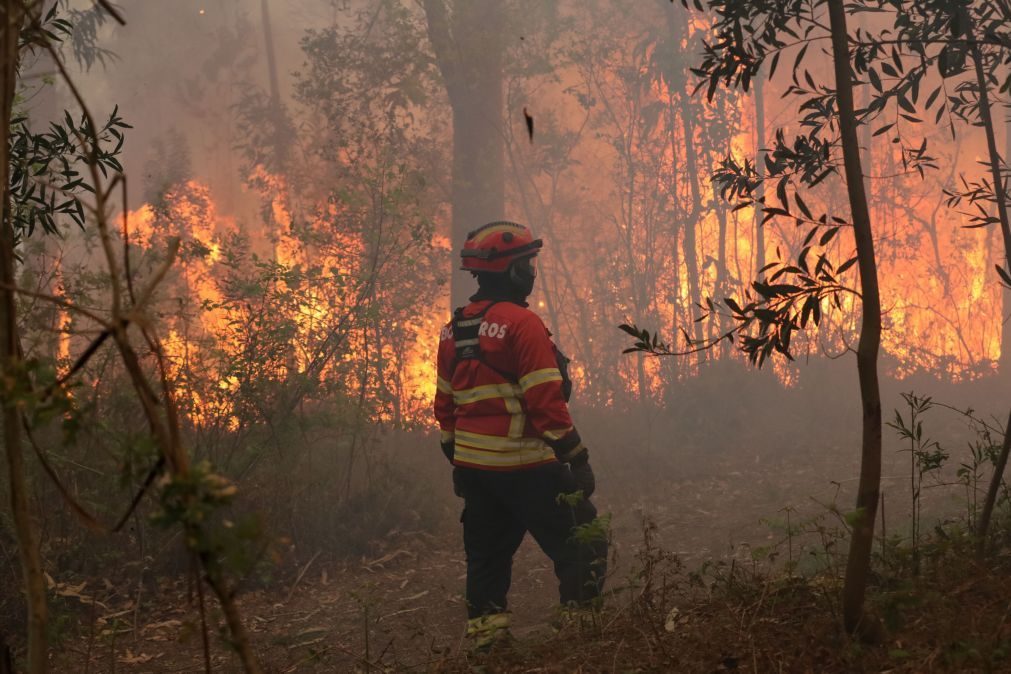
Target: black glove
457, 482
583, 474
448, 448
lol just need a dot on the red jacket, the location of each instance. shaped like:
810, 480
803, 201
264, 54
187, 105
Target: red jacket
506, 410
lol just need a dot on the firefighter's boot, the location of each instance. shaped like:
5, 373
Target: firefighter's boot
488, 631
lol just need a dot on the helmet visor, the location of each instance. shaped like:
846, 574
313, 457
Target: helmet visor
527, 266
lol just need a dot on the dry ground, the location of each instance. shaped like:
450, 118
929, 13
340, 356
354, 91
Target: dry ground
693, 599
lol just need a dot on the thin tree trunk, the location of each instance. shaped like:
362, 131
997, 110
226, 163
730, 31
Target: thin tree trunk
991, 494
1000, 194
1004, 364
677, 24
24, 526
268, 43
722, 275
859, 562
690, 243
760, 168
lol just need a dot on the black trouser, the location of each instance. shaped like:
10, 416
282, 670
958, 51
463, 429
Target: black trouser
500, 507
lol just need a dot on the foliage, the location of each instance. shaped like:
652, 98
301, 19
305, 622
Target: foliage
925, 456
924, 47
47, 169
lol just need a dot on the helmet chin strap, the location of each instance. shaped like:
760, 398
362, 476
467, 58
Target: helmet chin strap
521, 280
509, 286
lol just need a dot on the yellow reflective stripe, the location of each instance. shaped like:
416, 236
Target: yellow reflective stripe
557, 435
497, 442
497, 459
532, 379
517, 424
486, 392
517, 420
443, 386
494, 230
447, 436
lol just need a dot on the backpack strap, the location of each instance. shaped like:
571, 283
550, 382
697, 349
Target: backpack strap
468, 342
563, 367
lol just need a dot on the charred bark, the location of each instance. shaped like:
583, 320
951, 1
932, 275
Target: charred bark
868, 492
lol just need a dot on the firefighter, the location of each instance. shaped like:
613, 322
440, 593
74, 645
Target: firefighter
519, 463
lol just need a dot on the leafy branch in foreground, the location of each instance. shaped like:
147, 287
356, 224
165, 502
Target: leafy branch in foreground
46, 169
766, 319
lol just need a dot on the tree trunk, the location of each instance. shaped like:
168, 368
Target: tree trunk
690, 226
10, 360
1000, 194
991, 494
760, 168
859, 562
467, 39
721, 288
1004, 364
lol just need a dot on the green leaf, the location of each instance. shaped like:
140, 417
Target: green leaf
828, 236
1004, 275
875, 79
846, 265
883, 129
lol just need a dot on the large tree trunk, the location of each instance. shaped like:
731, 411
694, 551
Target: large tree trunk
859, 562
10, 360
467, 38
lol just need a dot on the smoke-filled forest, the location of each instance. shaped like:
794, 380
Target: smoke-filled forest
766, 243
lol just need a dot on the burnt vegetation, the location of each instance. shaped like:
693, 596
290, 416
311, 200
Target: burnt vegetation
221, 296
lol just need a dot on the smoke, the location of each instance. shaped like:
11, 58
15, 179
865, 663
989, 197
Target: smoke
615, 181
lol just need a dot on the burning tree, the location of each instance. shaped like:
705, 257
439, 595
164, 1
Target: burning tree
793, 294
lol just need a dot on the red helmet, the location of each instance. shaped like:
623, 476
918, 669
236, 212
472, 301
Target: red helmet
495, 246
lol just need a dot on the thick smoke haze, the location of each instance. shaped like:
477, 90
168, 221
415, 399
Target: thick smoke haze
320, 164
616, 179
609, 180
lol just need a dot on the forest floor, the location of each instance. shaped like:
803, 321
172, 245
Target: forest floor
736, 567
404, 613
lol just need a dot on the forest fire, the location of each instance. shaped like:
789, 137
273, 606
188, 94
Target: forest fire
205, 321
924, 258
222, 411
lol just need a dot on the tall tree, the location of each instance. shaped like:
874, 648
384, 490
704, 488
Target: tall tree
12, 22
868, 491
791, 296
469, 46
1004, 367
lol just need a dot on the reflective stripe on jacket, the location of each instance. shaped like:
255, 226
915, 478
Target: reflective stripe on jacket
495, 423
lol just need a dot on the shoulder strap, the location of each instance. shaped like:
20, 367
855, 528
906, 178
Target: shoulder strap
468, 342
465, 334
563, 367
